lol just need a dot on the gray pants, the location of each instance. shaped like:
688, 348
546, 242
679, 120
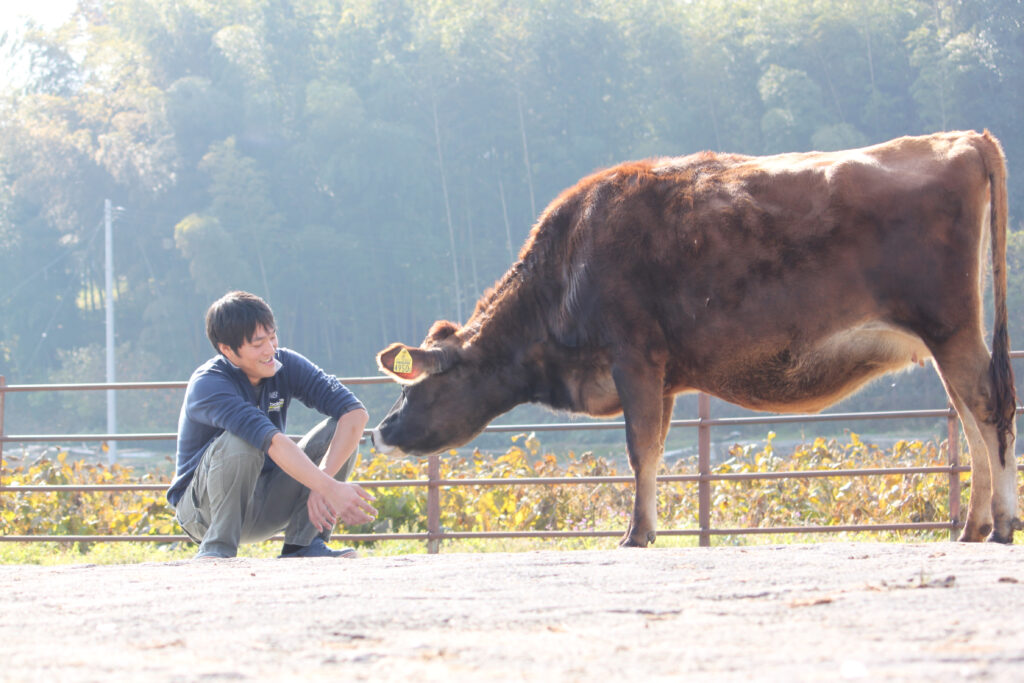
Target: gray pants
230, 501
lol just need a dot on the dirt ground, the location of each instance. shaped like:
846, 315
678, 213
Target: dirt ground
831, 611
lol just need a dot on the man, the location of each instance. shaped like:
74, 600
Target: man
226, 489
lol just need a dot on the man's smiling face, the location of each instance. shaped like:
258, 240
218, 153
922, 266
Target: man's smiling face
256, 356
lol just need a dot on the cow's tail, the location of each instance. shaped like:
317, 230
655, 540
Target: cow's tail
1004, 404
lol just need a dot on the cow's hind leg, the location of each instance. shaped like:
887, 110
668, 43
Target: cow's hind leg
992, 511
667, 404
979, 513
640, 388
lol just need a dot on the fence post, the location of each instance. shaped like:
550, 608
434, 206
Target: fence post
704, 468
433, 504
3, 395
953, 458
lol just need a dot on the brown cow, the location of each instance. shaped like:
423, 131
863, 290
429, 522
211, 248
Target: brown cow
780, 283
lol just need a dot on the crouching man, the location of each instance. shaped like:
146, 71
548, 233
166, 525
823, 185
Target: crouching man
238, 477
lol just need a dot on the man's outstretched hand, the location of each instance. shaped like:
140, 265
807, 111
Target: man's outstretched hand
329, 499
342, 501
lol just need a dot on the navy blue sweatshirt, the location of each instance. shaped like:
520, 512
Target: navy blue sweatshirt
221, 398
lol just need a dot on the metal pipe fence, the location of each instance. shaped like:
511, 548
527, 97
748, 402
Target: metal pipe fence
434, 483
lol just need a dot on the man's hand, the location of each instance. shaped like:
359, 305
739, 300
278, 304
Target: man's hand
352, 508
329, 499
344, 501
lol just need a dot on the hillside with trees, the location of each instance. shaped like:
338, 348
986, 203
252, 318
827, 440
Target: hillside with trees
370, 166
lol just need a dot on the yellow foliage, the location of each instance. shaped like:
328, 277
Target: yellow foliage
515, 507
81, 513
799, 501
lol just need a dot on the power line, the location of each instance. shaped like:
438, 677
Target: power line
71, 252
61, 300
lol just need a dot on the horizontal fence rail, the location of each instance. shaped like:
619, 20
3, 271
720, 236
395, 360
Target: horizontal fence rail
704, 478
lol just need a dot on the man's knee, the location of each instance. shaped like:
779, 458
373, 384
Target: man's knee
230, 450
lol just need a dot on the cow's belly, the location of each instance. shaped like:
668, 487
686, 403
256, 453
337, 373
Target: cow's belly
818, 375
596, 395
804, 378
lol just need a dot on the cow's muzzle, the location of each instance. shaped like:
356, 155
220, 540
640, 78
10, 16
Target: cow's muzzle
378, 443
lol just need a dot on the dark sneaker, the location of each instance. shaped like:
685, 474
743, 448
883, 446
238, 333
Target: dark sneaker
319, 549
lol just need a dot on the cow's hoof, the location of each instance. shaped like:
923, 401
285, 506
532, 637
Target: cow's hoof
628, 541
1002, 532
975, 534
996, 537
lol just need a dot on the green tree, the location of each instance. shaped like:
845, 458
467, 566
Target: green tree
347, 159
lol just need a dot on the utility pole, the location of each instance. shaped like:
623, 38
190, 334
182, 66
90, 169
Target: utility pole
109, 299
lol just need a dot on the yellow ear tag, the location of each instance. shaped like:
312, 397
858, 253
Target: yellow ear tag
403, 362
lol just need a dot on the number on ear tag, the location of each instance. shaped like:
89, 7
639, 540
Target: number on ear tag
403, 362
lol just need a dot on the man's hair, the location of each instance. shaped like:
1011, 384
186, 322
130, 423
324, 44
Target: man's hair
233, 319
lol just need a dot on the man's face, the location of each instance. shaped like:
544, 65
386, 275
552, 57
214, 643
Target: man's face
256, 356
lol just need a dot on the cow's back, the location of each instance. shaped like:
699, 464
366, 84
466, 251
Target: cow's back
740, 269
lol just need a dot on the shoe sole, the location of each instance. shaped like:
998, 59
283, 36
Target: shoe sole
347, 554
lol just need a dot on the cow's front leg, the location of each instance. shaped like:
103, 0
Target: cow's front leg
640, 390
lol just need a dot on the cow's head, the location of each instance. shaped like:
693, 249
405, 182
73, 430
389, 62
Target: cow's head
450, 391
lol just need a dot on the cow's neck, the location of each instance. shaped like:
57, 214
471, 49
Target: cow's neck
512, 334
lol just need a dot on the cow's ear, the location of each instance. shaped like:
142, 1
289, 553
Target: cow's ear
408, 365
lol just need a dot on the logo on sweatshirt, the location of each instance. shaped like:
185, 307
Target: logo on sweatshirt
275, 405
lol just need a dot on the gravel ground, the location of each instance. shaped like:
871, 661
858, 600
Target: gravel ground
830, 611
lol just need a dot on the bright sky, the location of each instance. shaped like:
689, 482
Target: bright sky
49, 13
